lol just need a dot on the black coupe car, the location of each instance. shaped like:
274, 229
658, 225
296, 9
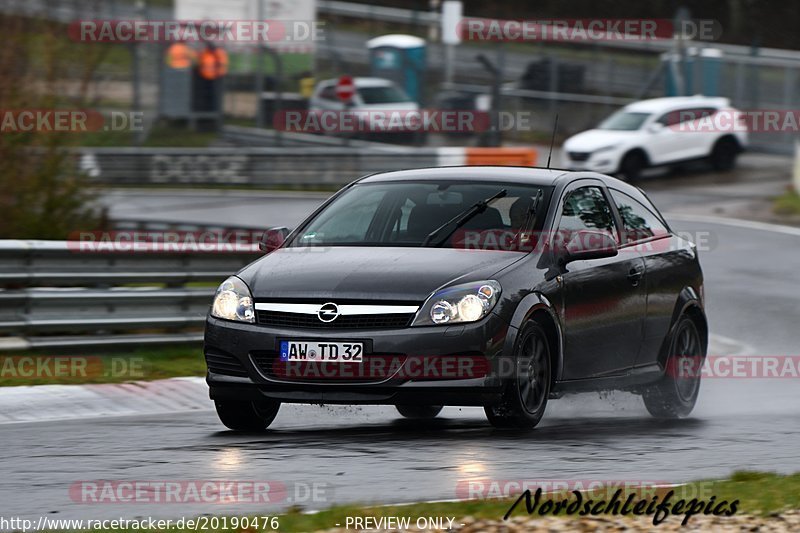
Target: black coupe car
499, 287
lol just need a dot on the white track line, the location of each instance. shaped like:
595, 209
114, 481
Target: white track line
735, 222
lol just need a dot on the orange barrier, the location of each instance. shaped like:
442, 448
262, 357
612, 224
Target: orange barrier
516, 156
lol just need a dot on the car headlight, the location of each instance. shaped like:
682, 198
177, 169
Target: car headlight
233, 301
605, 148
468, 302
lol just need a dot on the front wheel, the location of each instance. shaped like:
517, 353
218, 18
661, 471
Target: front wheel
525, 396
632, 165
675, 395
419, 412
245, 416
723, 155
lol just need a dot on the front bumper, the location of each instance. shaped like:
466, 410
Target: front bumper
238, 357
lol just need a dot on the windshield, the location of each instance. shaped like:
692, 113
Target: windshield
388, 94
624, 121
405, 213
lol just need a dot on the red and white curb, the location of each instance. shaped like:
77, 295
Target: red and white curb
61, 402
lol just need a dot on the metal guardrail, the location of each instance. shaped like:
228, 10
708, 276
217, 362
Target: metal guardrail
293, 166
54, 294
255, 137
329, 167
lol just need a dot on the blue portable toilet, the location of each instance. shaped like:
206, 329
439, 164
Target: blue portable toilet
698, 72
400, 58
711, 68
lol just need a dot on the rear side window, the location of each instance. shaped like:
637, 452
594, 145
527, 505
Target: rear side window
680, 116
639, 223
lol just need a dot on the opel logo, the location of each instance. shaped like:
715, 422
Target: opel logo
328, 312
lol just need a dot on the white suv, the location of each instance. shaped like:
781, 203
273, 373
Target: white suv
659, 132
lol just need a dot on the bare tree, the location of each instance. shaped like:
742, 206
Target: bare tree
42, 194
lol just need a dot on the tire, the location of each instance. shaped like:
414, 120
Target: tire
245, 416
525, 396
675, 395
723, 155
630, 169
419, 412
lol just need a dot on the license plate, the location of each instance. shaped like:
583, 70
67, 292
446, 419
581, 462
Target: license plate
334, 352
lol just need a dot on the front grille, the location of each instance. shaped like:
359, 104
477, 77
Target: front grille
579, 156
304, 321
225, 364
374, 368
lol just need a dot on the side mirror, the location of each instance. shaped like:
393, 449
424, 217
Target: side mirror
272, 239
655, 127
588, 244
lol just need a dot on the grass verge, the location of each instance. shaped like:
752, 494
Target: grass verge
73, 367
787, 204
760, 493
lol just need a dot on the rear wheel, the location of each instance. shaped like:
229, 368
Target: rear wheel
525, 397
675, 395
723, 155
245, 416
630, 169
419, 412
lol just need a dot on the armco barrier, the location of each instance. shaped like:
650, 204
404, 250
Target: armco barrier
54, 295
268, 167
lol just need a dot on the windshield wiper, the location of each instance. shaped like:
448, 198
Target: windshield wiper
462, 218
531, 212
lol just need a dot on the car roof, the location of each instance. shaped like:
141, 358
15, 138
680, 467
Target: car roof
668, 103
523, 175
509, 174
360, 82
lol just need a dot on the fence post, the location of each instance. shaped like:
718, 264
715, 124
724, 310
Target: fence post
796, 173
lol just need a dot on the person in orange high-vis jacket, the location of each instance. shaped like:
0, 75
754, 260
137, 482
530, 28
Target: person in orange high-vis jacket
180, 55
213, 62
212, 65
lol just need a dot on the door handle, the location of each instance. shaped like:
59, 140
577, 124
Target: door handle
635, 276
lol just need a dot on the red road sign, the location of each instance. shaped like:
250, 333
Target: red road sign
345, 88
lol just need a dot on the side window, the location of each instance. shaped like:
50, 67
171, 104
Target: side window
638, 222
680, 116
585, 209
328, 93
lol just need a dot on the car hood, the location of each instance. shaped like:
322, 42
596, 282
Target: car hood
591, 140
368, 273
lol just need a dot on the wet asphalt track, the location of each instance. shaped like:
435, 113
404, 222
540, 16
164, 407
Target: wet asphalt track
368, 454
